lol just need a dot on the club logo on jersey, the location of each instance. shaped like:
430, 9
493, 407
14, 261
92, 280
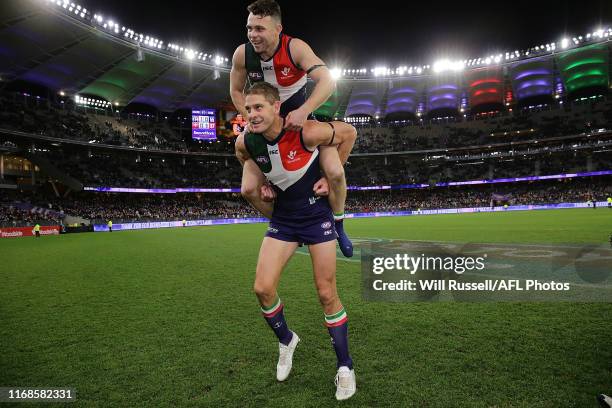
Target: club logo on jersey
292, 154
256, 76
262, 160
285, 71
326, 225
272, 230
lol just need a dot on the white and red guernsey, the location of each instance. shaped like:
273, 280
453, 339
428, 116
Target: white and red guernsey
292, 170
279, 71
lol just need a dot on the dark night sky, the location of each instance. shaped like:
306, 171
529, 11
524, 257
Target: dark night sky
354, 37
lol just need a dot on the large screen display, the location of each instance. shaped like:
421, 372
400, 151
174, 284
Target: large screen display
204, 124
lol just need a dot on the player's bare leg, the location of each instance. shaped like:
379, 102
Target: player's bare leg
334, 173
273, 256
252, 180
324, 269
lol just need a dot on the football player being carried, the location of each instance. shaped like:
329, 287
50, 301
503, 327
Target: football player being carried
285, 62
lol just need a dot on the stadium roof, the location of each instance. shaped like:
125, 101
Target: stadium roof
68, 49
50, 49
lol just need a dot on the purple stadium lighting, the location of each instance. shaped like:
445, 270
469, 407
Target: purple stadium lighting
359, 188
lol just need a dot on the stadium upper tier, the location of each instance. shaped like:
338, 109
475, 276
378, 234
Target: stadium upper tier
50, 121
68, 49
76, 167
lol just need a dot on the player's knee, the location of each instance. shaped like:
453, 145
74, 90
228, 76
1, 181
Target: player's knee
327, 296
264, 291
335, 173
248, 191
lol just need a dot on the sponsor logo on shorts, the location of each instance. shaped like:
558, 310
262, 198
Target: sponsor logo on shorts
326, 225
278, 324
328, 232
272, 230
312, 200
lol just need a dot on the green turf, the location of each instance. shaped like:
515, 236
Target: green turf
168, 318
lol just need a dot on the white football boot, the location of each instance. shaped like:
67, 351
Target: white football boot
604, 401
345, 383
285, 358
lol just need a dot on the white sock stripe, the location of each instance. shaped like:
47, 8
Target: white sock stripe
274, 308
337, 319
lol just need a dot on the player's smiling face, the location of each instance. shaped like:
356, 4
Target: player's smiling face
261, 112
263, 33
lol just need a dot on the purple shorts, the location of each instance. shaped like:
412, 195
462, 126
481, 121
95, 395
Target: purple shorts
307, 230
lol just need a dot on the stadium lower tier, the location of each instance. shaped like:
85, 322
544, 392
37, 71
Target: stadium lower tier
128, 169
27, 208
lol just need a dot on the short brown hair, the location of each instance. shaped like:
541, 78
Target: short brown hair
270, 92
263, 8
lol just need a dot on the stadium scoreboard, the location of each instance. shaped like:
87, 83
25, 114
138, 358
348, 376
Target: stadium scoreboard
204, 124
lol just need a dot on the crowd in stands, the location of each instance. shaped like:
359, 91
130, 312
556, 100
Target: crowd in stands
11, 216
367, 171
119, 169
65, 120
101, 207
506, 127
160, 132
16, 210
480, 196
126, 169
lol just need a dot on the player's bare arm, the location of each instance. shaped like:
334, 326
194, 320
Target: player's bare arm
238, 78
261, 203
305, 58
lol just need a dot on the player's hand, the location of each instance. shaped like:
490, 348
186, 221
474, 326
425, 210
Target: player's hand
295, 119
321, 188
267, 193
247, 128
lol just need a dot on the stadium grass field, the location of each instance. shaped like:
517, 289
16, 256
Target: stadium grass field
168, 318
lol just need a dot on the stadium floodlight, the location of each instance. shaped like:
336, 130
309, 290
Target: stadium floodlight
190, 54
379, 71
62, 93
447, 65
336, 73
